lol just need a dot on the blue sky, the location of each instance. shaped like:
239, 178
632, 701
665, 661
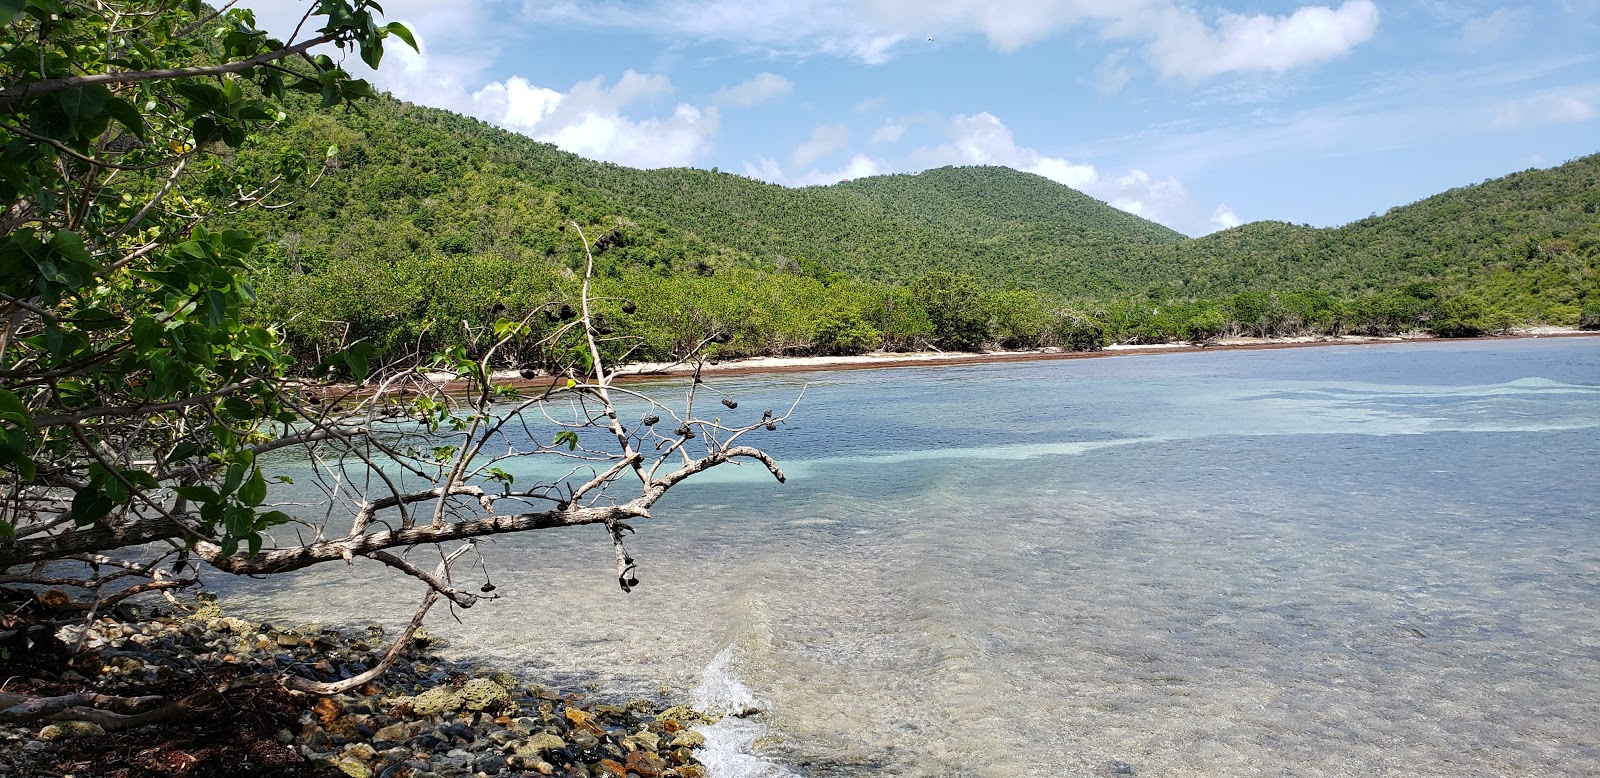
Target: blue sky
1198, 116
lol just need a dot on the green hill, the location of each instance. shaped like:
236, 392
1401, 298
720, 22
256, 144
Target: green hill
433, 223
1529, 240
415, 179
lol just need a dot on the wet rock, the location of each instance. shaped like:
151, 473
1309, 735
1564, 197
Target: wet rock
688, 739
685, 716
644, 764
647, 740
539, 744
609, 769
394, 733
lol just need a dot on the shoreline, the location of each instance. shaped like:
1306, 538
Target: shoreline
751, 366
428, 715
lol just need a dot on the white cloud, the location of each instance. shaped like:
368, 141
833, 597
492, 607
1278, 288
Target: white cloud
761, 88
591, 118
588, 119
1185, 48
1224, 218
824, 141
890, 132
1548, 108
1175, 38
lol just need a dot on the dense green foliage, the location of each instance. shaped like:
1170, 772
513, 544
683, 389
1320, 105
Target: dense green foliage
117, 300
435, 224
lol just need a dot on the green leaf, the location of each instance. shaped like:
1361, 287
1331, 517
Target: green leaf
127, 116
230, 546
90, 505
182, 451
9, 11
254, 542
273, 519
204, 495
216, 308
69, 244
82, 105
254, 491
567, 437
12, 410
234, 477
147, 333
402, 32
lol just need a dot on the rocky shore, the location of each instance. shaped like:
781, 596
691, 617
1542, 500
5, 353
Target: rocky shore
425, 718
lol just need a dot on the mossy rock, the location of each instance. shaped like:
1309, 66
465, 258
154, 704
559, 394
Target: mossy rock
70, 730
686, 715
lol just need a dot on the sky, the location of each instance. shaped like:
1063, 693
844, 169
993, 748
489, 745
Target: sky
1197, 116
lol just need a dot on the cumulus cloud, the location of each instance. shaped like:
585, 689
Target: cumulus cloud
1176, 40
1223, 218
1186, 48
761, 88
1548, 108
890, 132
824, 141
590, 118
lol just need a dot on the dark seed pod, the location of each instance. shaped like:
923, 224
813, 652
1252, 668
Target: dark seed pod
629, 307
567, 312
684, 431
486, 588
697, 380
772, 428
723, 337
550, 315
603, 329
766, 414
633, 582
529, 373
651, 421
498, 307
561, 506
731, 404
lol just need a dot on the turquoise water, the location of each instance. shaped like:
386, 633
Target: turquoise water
1372, 560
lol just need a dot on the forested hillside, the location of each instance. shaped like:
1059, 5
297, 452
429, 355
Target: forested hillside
1525, 241
426, 220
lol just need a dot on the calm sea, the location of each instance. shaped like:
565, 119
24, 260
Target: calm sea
1368, 560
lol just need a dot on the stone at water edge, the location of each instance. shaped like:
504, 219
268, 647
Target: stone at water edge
650, 741
643, 764
688, 739
477, 694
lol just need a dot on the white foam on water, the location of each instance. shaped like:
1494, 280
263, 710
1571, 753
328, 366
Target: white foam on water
730, 746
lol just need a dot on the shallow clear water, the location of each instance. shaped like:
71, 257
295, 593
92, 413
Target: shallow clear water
1373, 560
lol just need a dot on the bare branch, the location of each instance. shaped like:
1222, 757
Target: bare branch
51, 85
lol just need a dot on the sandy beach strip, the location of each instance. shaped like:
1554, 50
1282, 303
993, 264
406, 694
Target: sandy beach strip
764, 365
